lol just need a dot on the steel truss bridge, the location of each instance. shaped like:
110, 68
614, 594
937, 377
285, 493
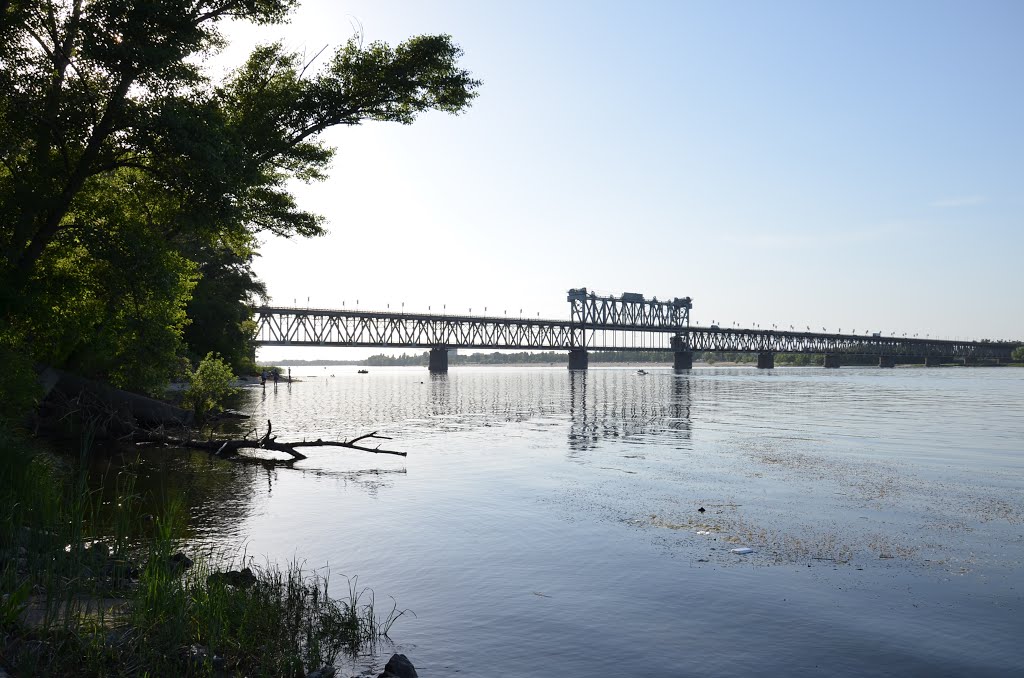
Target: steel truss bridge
597, 323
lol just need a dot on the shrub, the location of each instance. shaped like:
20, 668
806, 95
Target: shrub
210, 386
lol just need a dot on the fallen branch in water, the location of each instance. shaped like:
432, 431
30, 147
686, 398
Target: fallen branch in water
230, 449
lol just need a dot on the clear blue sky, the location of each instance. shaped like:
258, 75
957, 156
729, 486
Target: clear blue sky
839, 165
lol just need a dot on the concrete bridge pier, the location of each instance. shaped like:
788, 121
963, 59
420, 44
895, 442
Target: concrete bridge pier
886, 361
682, 356
682, 360
578, 359
438, 363
765, 360
831, 361
932, 361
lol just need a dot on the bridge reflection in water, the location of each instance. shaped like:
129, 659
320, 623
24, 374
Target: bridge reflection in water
623, 406
625, 323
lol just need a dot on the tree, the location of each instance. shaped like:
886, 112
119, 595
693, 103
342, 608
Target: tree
1018, 354
219, 310
128, 177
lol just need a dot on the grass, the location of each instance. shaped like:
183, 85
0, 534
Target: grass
98, 590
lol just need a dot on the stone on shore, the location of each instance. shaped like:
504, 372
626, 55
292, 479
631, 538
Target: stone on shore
399, 666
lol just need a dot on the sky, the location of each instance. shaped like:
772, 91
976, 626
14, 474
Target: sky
848, 166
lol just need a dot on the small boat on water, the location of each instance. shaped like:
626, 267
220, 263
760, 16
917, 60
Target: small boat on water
362, 371
641, 372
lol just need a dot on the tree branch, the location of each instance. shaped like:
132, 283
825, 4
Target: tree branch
230, 449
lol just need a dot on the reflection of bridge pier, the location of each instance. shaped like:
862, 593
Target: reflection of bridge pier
440, 394
621, 406
682, 397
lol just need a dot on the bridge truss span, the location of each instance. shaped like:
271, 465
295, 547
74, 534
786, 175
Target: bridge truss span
330, 327
773, 341
282, 326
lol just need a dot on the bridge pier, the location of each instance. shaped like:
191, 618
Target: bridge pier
831, 361
682, 360
578, 359
682, 356
765, 360
438, 363
932, 361
886, 361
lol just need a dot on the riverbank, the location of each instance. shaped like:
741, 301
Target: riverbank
94, 585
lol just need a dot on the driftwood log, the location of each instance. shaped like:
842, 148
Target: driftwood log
231, 448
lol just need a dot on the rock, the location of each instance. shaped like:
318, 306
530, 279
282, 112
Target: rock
120, 569
199, 656
179, 562
241, 579
119, 637
98, 550
399, 666
325, 672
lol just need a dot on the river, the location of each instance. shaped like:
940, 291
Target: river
548, 523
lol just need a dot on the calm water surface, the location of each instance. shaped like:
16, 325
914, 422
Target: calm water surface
546, 522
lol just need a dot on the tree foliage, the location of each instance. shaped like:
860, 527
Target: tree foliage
134, 188
1018, 354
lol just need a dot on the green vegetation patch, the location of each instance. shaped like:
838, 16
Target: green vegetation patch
93, 586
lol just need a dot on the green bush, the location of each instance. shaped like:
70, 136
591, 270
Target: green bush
210, 386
